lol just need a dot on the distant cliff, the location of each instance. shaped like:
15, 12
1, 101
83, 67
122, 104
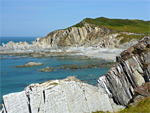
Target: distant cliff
100, 32
88, 35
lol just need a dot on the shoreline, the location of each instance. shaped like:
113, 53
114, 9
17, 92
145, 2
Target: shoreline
89, 52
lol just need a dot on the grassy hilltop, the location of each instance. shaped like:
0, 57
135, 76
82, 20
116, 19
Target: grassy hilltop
123, 25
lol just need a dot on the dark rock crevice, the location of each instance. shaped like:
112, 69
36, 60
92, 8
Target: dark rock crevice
44, 95
28, 100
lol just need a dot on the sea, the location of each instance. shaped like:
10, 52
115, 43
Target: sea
16, 79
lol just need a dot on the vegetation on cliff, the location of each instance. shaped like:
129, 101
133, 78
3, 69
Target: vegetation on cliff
123, 25
141, 107
128, 38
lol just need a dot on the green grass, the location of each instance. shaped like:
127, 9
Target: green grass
142, 107
127, 38
78, 25
101, 112
124, 25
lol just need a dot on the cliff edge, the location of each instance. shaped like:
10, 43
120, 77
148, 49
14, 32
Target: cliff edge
131, 70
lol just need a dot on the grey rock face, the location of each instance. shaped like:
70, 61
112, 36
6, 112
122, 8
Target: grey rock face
88, 36
132, 70
59, 96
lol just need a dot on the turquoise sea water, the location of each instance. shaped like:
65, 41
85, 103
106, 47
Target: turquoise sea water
16, 39
16, 79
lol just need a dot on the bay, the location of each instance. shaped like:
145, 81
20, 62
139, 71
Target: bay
16, 79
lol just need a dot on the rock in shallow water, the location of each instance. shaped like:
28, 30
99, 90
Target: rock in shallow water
86, 66
3, 58
47, 69
30, 64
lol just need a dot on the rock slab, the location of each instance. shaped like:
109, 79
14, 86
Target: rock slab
59, 96
131, 71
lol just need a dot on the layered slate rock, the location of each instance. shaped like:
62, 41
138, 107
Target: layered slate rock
131, 71
59, 96
88, 36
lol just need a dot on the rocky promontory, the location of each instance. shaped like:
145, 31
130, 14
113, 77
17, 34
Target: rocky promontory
85, 37
100, 32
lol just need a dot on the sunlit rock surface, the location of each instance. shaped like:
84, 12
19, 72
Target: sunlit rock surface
59, 96
131, 71
87, 36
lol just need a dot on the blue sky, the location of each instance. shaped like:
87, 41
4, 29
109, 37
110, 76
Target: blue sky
36, 18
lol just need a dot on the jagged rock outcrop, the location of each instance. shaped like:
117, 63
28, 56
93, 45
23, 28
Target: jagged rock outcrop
132, 70
88, 36
59, 96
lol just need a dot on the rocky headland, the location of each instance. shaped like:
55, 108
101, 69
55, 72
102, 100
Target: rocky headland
86, 38
129, 76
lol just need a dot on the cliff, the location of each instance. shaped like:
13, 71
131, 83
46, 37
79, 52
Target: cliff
88, 35
100, 32
59, 96
131, 71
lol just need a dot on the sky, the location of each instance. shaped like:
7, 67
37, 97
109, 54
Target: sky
36, 18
